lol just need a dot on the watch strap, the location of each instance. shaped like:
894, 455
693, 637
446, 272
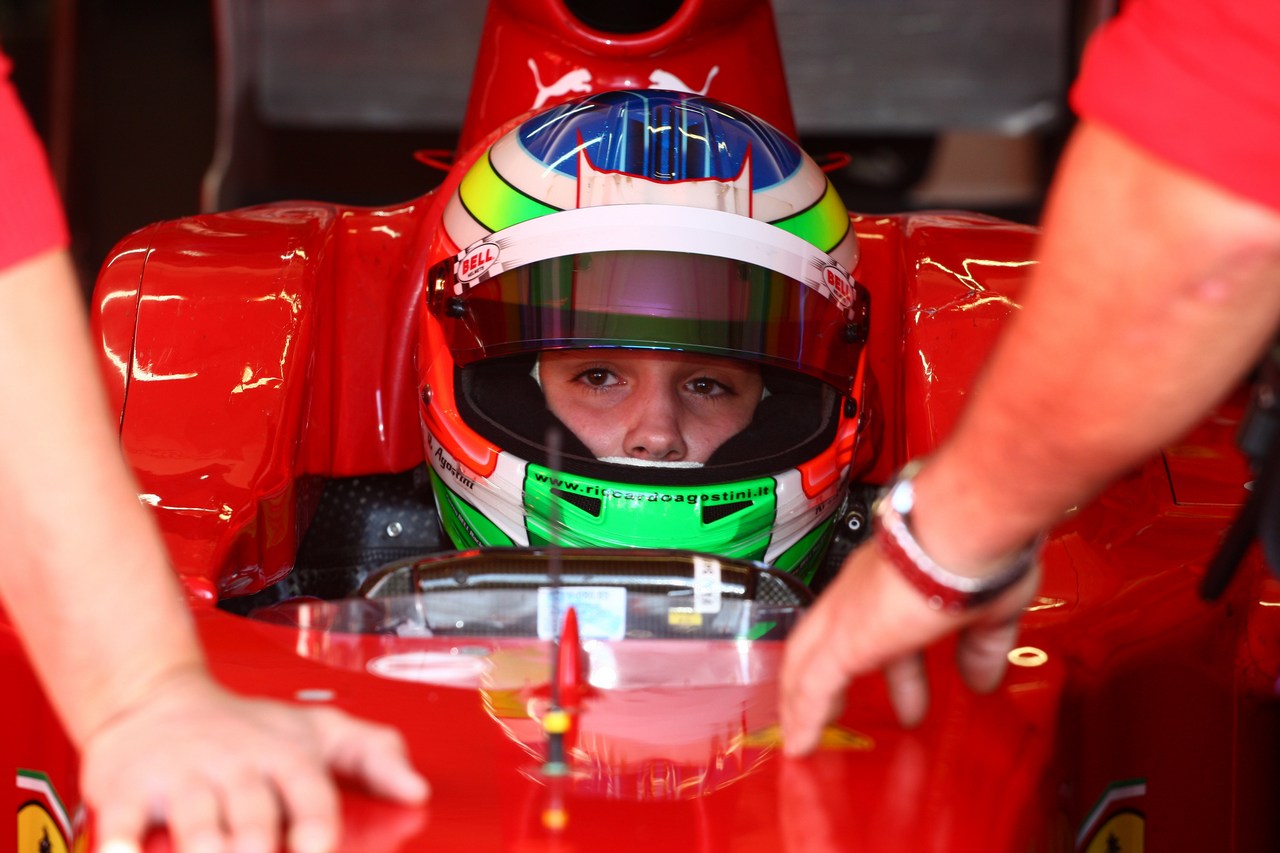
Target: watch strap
942, 588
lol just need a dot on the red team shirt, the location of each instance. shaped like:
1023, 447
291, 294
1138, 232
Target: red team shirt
31, 219
1195, 83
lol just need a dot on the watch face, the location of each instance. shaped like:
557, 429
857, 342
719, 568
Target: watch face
902, 498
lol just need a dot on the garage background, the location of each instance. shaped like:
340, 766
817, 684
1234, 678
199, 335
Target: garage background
939, 103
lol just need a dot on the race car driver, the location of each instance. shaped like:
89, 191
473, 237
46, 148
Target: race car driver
662, 281
636, 407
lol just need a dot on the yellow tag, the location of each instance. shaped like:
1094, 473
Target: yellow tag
505, 704
833, 737
683, 617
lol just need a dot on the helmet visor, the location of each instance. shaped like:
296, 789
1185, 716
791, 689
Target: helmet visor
655, 299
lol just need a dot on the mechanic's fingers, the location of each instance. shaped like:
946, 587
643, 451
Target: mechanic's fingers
804, 715
252, 813
372, 754
120, 827
908, 685
195, 818
813, 686
315, 834
982, 654
310, 800
117, 845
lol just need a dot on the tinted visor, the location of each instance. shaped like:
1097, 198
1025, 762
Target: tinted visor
655, 300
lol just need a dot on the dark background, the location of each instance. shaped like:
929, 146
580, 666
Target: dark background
139, 120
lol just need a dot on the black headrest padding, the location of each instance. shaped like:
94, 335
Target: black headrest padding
500, 400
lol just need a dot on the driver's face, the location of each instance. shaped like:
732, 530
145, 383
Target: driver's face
650, 404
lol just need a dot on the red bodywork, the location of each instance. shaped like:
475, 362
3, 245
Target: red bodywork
252, 354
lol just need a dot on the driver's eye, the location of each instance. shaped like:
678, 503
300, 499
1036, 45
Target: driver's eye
706, 386
597, 376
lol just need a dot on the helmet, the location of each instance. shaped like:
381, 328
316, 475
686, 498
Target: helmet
646, 221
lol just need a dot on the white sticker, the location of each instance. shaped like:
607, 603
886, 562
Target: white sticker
706, 585
475, 261
602, 611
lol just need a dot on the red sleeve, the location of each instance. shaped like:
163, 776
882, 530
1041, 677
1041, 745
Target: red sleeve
1196, 82
31, 219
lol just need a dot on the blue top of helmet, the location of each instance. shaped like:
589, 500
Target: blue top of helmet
661, 136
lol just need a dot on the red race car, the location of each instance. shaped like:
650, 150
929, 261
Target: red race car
351, 426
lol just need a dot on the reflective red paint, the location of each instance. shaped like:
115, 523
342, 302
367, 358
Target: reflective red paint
254, 352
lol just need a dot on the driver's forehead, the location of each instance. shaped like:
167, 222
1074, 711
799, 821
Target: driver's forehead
665, 360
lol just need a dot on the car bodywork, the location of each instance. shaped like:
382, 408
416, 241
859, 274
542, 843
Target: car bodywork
256, 355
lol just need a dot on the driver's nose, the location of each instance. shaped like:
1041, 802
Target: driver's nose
654, 430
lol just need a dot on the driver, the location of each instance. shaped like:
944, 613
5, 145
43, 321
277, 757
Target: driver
649, 407
641, 331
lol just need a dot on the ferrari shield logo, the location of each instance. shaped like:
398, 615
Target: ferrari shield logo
1122, 833
38, 832
43, 823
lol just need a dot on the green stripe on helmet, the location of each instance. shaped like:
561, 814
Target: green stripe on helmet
494, 202
823, 223
730, 520
803, 558
465, 526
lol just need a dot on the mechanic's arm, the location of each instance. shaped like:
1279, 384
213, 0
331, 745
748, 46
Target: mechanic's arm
1155, 293
85, 578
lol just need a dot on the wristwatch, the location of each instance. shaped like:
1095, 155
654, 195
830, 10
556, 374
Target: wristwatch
942, 588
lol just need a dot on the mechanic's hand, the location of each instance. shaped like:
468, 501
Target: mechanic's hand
227, 773
872, 618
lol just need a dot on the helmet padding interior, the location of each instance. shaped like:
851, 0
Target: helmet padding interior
795, 421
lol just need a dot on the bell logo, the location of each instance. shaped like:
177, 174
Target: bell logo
476, 261
837, 280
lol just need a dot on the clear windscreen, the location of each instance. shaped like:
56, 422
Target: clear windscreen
603, 612
525, 592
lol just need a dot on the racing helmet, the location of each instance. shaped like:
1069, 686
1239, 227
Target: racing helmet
645, 220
